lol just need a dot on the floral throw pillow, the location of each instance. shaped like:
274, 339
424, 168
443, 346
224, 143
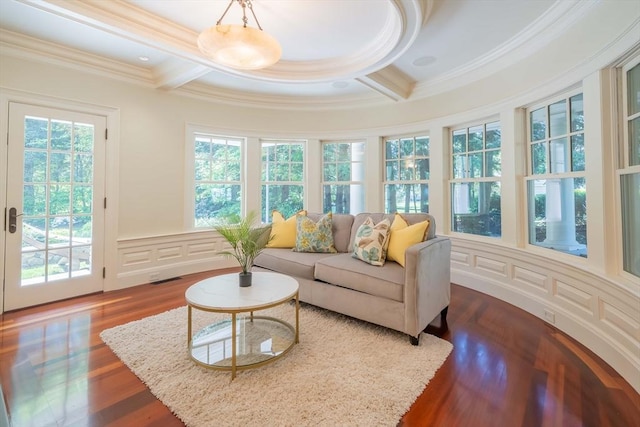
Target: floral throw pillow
370, 244
314, 236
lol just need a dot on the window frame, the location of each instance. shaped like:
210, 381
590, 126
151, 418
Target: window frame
351, 183
623, 167
265, 211
549, 174
385, 178
190, 172
466, 178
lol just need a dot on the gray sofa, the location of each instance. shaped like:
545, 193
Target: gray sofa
406, 298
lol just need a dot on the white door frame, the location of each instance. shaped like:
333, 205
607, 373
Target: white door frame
111, 170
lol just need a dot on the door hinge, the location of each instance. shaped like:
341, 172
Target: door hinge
104, 272
106, 133
105, 203
5, 219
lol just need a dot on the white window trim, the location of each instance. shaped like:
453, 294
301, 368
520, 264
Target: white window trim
383, 165
544, 103
622, 167
470, 180
191, 131
362, 162
305, 167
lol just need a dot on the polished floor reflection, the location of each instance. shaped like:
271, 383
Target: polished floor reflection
507, 368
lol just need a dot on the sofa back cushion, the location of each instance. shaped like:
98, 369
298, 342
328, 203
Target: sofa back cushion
341, 227
411, 218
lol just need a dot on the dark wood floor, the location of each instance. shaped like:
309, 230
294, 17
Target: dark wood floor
507, 367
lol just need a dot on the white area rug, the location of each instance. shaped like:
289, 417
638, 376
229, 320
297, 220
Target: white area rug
343, 372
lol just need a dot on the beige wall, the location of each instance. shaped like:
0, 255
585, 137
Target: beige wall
590, 299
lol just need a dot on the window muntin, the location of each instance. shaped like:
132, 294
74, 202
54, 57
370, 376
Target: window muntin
406, 174
556, 184
475, 185
633, 115
217, 178
343, 177
282, 177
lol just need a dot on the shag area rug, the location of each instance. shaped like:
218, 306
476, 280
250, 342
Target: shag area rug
343, 372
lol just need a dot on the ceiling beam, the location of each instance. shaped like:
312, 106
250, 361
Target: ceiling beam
174, 73
390, 82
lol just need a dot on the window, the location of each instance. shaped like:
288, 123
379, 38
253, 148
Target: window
475, 185
218, 184
282, 178
630, 171
406, 174
556, 183
342, 177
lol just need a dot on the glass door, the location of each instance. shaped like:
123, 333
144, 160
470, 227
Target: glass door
55, 205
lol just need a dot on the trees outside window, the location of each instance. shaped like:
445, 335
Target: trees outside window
282, 177
406, 174
343, 177
630, 169
476, 159
556, 182
218, 183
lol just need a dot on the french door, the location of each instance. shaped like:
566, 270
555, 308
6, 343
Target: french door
55, 205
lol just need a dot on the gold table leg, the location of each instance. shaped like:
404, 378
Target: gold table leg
189, 328
233, 346
297, 319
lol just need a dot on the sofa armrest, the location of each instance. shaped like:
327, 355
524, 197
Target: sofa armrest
427, 287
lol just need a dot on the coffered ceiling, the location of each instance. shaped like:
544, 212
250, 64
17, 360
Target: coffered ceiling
333, 50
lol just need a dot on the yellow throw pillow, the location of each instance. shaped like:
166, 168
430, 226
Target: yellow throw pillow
398, 222
403, 236
283, 232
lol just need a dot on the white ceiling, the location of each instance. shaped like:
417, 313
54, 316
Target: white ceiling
376, 50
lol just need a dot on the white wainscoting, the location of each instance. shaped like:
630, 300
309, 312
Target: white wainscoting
599, 313
151, 259
594, 310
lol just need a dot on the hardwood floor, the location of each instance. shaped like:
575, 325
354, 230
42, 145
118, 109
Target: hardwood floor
507, 367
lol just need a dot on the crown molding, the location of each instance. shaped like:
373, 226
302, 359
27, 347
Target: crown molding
166, 77
25, 47
276, 102
554, 22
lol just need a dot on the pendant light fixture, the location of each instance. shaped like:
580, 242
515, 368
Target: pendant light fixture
240, 46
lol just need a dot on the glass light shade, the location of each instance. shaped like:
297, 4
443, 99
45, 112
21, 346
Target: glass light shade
240, 47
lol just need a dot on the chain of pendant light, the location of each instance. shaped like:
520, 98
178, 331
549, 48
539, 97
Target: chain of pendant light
244, 4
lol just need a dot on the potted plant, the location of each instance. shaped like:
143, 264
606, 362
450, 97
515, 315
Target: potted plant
246, 240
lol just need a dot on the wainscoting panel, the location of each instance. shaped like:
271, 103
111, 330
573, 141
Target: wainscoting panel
535, 282
460, 258
154, 259
594, 309
575, 296
492, 266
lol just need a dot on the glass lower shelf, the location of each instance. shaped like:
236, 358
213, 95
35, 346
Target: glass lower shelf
258, 341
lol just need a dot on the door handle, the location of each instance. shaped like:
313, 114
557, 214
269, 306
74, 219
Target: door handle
13, 216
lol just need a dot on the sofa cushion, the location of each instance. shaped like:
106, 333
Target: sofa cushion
370, 244
300, 264
403, 236
314, 236
410, 218
283, 231
348, 272
341, 228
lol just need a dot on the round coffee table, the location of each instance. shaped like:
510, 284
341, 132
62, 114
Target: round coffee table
241, 342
